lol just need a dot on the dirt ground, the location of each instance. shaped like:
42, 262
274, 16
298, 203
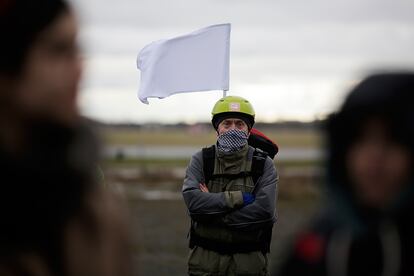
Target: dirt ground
159, 222
160, 229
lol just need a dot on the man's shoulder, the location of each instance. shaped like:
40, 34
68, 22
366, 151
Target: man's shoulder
198, 155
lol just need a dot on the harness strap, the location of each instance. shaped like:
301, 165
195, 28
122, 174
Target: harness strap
209, 155
231, 248
258, 163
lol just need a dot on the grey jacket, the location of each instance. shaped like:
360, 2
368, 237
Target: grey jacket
229, 205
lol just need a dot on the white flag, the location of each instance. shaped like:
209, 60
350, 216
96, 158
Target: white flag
198, 61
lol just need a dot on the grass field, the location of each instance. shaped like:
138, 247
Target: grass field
113, 162
284, 138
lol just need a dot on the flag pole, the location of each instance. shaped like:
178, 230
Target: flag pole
224, 93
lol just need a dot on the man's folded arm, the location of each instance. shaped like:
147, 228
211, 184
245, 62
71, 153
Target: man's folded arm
263, 210
205, 204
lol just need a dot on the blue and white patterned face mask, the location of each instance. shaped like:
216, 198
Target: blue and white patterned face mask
232, 140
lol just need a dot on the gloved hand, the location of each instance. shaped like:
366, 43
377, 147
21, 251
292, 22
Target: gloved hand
248, 198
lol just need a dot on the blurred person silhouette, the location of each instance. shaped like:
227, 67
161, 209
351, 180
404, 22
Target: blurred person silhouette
54, 217
230, 192
367, 225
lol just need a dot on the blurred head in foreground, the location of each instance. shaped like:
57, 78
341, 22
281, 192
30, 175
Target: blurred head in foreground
367, 225
40, 66
54, 217
371, 141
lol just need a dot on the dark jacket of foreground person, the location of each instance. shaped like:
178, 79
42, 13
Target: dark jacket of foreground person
42, 189
353, 237
55, 217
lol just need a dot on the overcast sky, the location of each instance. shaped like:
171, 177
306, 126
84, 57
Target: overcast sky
292, 59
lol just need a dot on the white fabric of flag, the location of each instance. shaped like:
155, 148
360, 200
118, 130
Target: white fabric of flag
195, 62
